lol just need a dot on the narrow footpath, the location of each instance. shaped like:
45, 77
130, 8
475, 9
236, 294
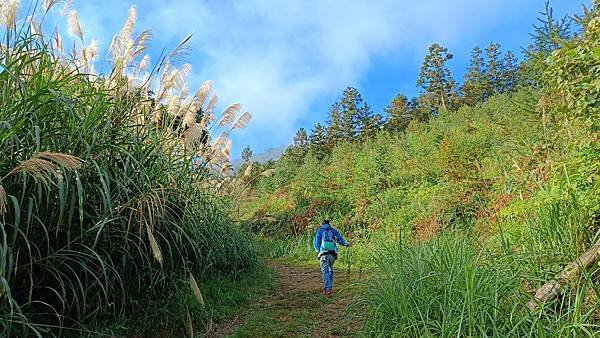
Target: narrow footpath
295, 307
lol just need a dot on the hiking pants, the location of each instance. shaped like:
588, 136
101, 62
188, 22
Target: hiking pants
327, 261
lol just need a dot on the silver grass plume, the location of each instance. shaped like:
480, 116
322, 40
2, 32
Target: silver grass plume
229, 114
57, 41
139, 44
74, 25
203, 92
221, 140
48, 4
45, 166
66, 7
227, 148
8, 12
180, 79
191, 135
144, 63
268, 173
34, 26
196, 290
225, 169
210, 108
92, 50
248, 170
242, 121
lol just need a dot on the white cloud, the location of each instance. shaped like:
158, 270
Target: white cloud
278, 58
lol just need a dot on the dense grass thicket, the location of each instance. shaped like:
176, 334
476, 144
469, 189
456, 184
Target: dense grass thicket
463, 215
105, 224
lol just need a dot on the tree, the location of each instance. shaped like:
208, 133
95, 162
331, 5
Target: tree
357, 118
318, 141
547, 37
474, 81
550, 33
492, 70
397, 113
350, 107
334, 125
301, 138
246, 154
509, 73
368, 123
435, 79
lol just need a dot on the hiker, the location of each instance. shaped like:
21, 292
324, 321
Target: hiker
326, 248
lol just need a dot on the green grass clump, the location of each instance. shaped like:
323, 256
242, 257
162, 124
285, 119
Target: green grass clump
453, 286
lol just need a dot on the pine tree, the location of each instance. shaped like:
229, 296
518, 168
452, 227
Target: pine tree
301, 138
546, 38
246, 154
548, 35
350, 107
334, 132
318, 141
492, 70
436, 81
397, 113
474, 81
509, 73
368, 123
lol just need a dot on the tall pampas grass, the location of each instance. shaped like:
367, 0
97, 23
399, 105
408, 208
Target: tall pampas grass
113, 214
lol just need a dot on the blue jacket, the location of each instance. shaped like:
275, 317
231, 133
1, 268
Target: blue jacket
337, 237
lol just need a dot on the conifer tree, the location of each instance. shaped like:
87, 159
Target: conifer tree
474, 82
397, 113
509, 73
334, 131
368, 123
436, 81
246, 154
318, 141
492, 70
301, 138
350, 107
548, 35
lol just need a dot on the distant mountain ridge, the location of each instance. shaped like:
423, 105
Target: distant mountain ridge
267, 155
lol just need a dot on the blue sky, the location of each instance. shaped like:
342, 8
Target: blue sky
287, 61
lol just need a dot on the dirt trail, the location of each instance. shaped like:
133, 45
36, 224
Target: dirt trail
296, 307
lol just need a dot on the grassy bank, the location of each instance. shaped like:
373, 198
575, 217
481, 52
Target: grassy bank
454, 286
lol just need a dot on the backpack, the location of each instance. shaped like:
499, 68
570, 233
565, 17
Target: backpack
327, 241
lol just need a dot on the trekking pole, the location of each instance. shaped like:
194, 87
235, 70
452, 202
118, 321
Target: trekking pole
348, 260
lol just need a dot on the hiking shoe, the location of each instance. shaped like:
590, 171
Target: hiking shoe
328, 293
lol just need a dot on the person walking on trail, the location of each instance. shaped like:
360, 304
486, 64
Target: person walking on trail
324, 243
